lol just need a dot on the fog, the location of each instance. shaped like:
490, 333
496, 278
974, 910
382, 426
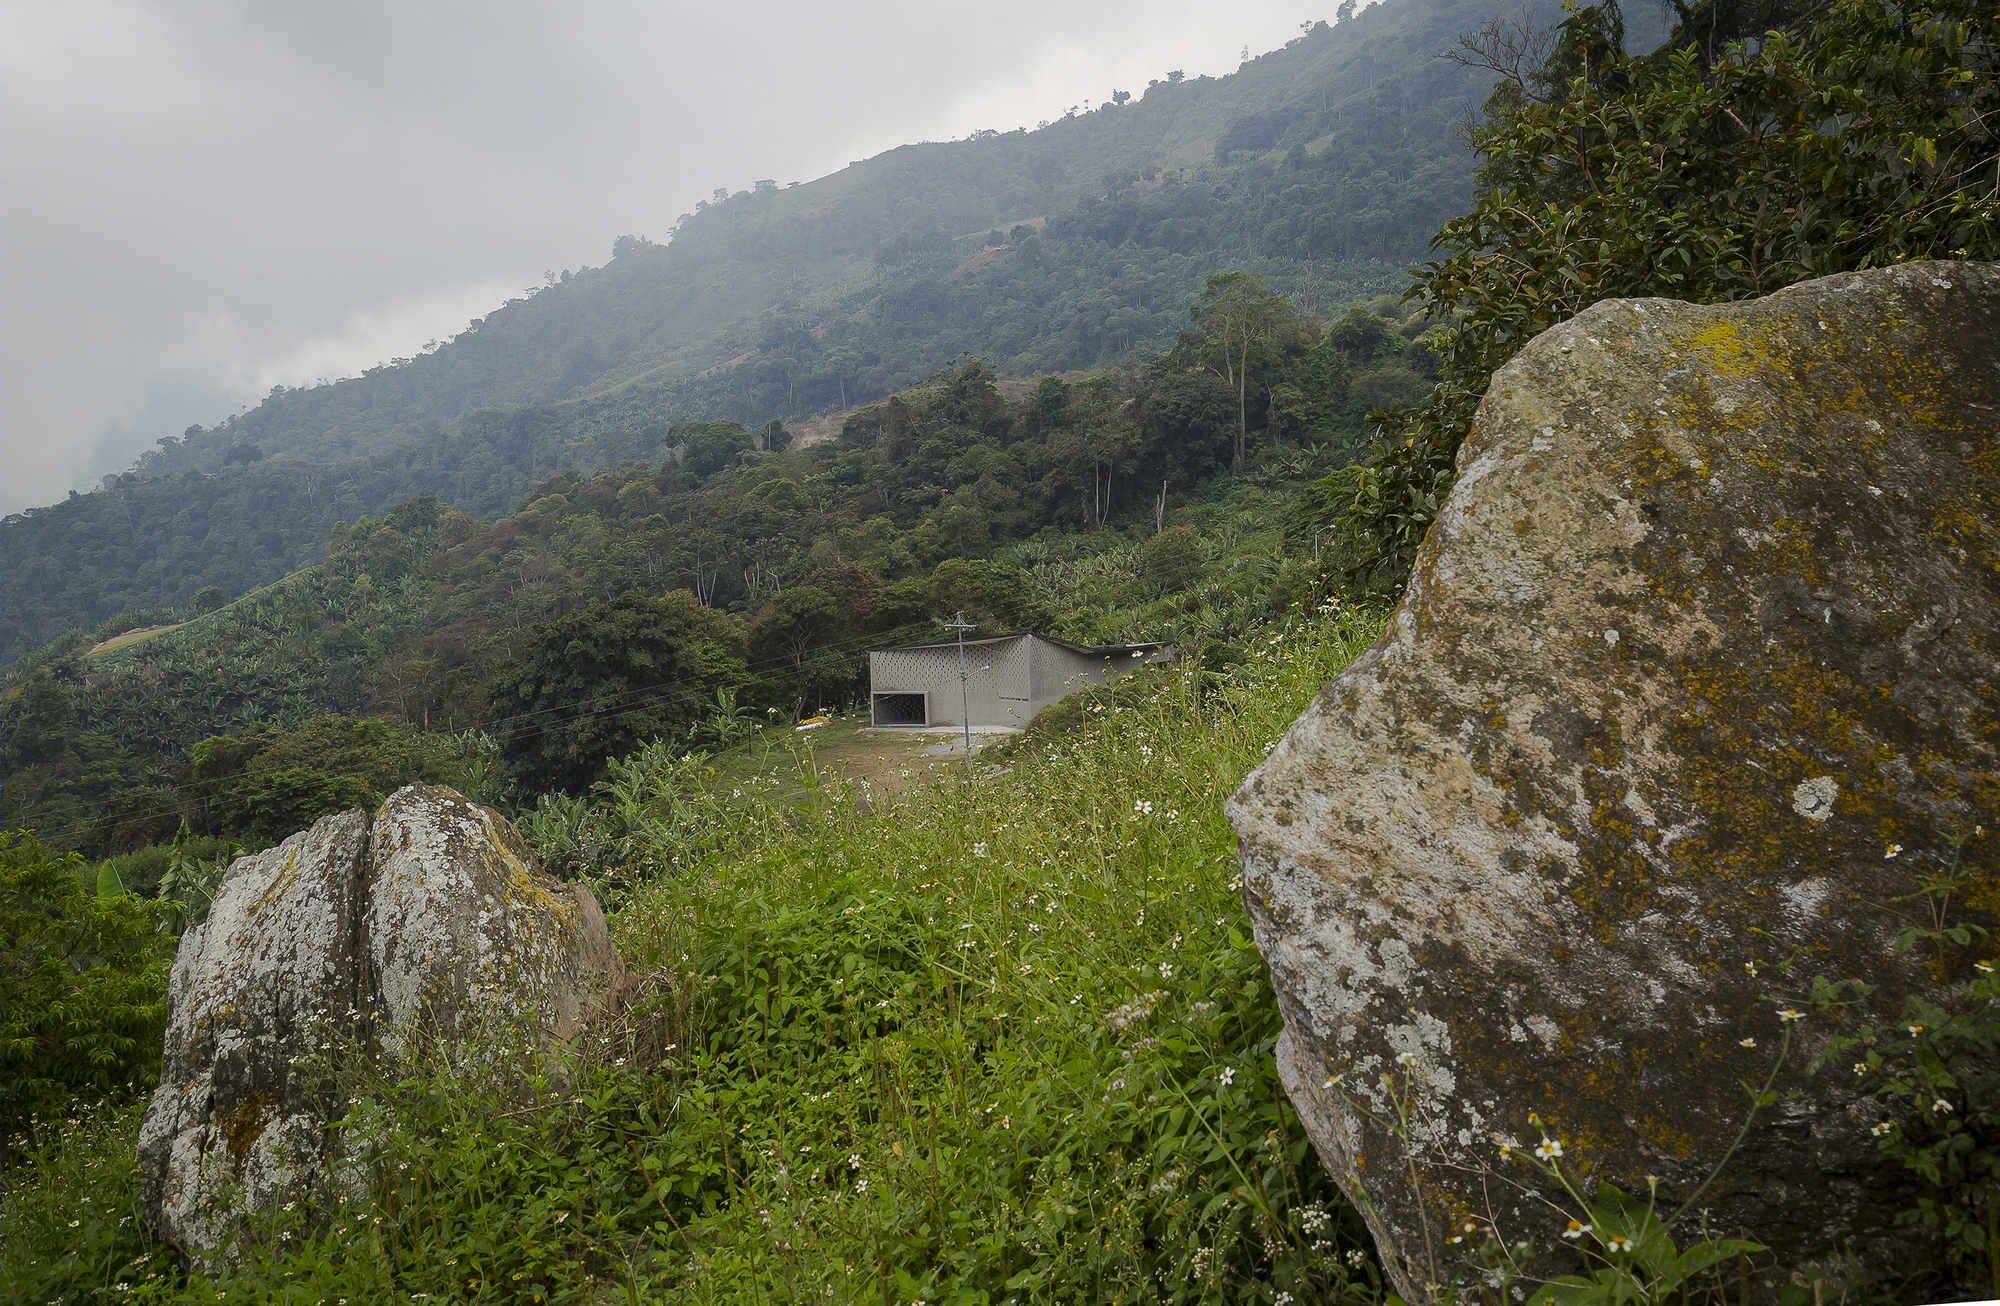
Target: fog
206, 200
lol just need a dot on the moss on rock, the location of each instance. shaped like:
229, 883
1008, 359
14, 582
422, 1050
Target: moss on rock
1711, 617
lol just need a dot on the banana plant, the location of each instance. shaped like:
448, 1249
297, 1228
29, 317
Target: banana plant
191, 882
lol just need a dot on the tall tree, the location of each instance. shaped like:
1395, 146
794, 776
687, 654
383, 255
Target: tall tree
1236, 316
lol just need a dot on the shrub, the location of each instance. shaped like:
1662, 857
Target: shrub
83, 983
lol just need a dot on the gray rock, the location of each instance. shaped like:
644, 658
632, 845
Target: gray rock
422, 925
1711, 617
233, 1122
462, 927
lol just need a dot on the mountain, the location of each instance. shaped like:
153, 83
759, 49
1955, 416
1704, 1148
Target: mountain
1045, 511
1321, 166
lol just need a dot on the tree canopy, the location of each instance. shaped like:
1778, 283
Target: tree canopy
1862, 137
600, 682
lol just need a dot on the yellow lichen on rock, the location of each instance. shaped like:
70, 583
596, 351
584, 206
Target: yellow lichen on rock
431, 919
1711, 616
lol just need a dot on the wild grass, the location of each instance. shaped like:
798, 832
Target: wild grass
1000, 1038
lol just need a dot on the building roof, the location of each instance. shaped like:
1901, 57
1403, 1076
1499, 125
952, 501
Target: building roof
1093, 650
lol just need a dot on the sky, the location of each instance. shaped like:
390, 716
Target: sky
200, 201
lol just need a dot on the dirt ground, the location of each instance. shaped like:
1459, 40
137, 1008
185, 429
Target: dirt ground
876, 763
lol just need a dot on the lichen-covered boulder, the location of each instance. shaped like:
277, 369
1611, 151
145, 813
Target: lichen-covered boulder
461, 927
234, 1124
422, 924
1709, 621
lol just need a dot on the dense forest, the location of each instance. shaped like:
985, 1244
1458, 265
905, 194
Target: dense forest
1075, 247
1047, 511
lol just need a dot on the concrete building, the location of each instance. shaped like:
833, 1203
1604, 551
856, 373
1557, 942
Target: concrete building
1009, 678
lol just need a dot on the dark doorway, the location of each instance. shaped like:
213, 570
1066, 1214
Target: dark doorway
900, 710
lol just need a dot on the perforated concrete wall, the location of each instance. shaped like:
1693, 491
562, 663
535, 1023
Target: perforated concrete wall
1007, 680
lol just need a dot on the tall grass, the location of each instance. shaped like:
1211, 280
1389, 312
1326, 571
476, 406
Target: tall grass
1002, 1038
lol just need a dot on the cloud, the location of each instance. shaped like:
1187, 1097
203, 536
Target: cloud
207, 199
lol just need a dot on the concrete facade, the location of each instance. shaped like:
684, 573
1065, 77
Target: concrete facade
1008, 678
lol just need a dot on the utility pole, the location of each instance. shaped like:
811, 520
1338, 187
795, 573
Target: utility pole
960, 625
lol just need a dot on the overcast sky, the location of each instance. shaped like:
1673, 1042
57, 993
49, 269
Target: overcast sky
203, 200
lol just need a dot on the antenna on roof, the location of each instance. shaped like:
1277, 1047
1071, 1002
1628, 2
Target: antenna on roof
961, 625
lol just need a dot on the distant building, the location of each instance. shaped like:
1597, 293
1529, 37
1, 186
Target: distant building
1008, 678
762, 186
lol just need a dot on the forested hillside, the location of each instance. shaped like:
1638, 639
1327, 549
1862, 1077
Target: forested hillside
1321, 166
1071, 509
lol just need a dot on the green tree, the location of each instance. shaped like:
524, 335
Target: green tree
206, 599
1173, 559
1237, 316
709, 446
1866, 140
994, 597
792, 627
599, 683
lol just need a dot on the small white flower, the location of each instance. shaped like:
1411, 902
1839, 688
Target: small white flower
979, 850
1983, 967
1618, 1242
1881, 1129
1894, 848
1166, 971
1142, 808
1548, 1150
1791, 1013
1227, 1076
1406, 1058
1746, 1042
1577, 1229
860, 1185
1861, 1067
1940, 1105
854, 1161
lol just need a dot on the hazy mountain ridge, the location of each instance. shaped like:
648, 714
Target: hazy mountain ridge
790, 304
727, 262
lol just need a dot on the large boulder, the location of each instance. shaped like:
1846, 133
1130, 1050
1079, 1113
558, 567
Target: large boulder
1710, 619
385, 936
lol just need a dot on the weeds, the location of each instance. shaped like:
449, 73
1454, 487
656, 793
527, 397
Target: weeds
1935, 1069
998, 1039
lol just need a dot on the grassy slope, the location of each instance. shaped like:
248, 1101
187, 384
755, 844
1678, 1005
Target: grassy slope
1023, 1009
